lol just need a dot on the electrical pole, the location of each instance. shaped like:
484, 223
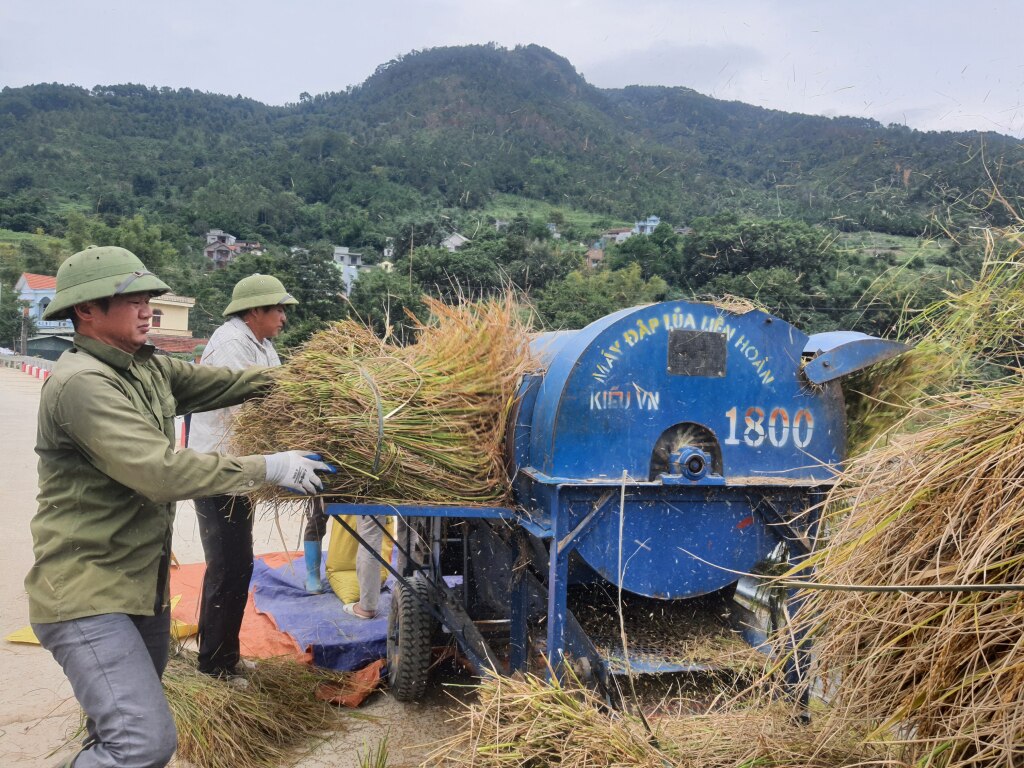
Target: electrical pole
24, 331
412, 232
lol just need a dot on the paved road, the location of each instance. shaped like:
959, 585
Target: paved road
36, 705
37, 708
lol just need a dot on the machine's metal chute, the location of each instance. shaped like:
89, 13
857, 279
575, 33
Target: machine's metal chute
839, 353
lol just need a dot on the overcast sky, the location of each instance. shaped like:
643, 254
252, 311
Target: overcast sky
928, 64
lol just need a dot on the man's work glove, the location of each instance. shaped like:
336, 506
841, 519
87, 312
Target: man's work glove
296, 471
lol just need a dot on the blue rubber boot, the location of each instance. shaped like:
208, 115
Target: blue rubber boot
312, 551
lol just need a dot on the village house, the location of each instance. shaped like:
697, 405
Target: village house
454, 241
222, 248
37, 291
647, 226
616, 235
169, 326
351, 264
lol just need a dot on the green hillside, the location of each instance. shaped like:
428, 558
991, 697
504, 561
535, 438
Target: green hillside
453, 138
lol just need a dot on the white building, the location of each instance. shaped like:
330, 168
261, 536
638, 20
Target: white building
647, 226
38, 291
350, 263
454, 241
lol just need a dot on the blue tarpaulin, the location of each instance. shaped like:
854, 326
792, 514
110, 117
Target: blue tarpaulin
338, 640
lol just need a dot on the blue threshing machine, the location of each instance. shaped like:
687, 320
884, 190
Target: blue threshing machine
661, 452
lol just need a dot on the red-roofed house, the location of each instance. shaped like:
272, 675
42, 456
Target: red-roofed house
39, 282
169, 323
38, 291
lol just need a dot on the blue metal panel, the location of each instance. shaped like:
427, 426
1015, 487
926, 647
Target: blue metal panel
545, 346
677, 542
592, 421
561, 353
681, 548
608, 394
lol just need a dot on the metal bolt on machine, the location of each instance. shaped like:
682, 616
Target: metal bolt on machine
660, 453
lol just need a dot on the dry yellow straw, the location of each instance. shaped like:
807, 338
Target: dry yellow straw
422, 423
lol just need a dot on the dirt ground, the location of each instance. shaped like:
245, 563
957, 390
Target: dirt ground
37, 708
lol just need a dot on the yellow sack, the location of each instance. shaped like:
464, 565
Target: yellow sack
23, 635
341, 558
180, 630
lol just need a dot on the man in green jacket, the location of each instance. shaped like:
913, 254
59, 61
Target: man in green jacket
108, 479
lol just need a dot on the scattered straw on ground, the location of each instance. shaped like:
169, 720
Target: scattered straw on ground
528, 722
263, 726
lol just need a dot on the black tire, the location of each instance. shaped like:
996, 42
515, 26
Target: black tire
410, 636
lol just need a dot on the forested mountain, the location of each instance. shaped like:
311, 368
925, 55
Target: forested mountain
783, 208
452, 127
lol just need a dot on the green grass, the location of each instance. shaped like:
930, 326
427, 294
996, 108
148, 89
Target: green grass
9, 237
507, 206
895, 250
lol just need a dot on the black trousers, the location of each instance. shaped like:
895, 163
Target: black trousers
316, 521
225, 528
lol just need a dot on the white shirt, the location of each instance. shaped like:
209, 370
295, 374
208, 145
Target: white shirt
233, 345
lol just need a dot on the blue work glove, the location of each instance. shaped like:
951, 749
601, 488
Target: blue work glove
296, 471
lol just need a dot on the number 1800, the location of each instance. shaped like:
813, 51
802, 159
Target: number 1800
778, 430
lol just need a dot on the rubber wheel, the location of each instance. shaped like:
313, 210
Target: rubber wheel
410, 636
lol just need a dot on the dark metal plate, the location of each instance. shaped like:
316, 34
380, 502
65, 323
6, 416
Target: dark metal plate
696, 353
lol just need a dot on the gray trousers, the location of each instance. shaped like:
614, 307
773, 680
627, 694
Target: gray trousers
114, 663
367, 566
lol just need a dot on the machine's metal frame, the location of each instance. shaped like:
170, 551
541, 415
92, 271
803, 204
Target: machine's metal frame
566, 641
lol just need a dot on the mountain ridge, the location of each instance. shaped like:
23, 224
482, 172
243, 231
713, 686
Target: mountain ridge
450, 128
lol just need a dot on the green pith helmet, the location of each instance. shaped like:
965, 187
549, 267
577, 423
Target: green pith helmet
100, 273
258, 291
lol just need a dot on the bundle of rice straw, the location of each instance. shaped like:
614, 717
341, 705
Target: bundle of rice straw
881, 395
422, 423
262, 726
981, 330
936, 675
972, 336
939, 675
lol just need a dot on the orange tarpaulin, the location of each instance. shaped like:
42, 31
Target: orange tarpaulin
260, 637
355, 688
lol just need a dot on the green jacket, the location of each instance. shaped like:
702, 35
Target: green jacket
109, 474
